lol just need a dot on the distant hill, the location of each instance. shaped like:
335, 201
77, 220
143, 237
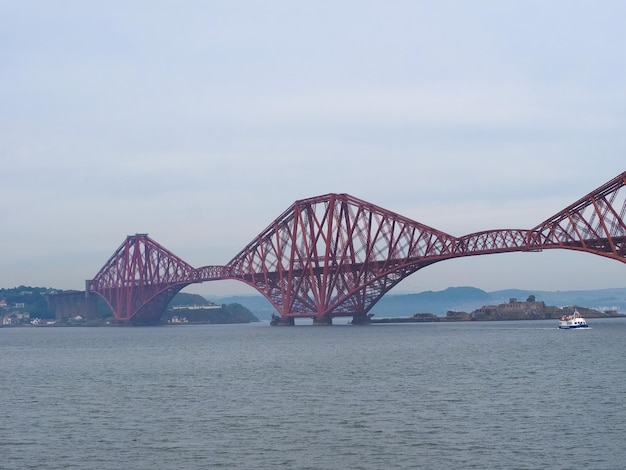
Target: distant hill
205, 314
182, 299
193, 308
465, 299
257, 304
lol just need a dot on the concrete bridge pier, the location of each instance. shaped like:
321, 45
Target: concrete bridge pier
323, 321
362, 319
282, 321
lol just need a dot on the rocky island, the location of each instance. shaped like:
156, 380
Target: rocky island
512, 310
190, 309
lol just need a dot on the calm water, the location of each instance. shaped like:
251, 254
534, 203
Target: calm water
510, 395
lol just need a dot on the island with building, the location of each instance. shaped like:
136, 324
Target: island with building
514, 309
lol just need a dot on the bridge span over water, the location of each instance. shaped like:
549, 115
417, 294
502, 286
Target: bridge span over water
336, 255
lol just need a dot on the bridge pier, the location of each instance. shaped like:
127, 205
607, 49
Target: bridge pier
323, 321
73, 303
282, 321
360, 319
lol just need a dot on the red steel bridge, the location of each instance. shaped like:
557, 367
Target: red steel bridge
336, 255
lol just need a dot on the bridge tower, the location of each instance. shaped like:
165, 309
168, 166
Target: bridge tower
140, 279
335, 255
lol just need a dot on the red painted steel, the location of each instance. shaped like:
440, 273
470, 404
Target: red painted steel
594, 223
140, 279
336, 255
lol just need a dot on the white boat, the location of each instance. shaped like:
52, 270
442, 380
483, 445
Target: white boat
574, 320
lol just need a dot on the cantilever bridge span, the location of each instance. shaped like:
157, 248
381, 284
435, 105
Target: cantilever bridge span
336, 255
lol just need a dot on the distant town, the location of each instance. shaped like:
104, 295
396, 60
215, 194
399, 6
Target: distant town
25, 306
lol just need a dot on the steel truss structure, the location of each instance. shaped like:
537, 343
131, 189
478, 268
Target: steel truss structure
336, 255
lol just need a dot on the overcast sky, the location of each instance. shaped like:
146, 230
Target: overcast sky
199, 122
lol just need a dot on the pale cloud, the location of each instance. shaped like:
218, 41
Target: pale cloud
200, 123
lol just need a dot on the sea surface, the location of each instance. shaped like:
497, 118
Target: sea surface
483, 395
